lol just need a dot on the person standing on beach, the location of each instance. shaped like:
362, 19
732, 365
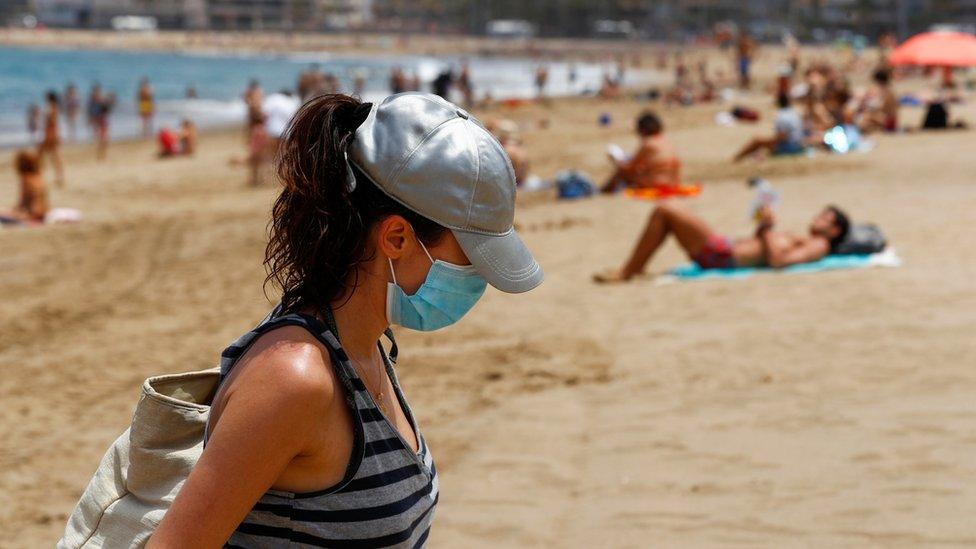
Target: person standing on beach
50, 145
33, 122
102, 112
359, 81
72, 105
147, 106
745, 51
94, 105
253, 99
465, 85
310, 438
398, 80
275, 115
541, 79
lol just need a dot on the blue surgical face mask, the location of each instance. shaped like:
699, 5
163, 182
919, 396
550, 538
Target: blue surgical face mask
447, 294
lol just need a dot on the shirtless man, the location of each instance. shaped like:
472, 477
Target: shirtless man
654, 164
51, 144
711, 250
33, 203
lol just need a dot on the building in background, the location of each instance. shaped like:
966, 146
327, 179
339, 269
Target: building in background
304, 15
12, 12
623, 19
98, 14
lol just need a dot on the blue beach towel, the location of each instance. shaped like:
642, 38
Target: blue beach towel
692, 271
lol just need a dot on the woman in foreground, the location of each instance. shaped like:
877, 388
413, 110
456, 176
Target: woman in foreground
311, 442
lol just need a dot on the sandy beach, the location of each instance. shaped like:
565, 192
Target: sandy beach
822, 410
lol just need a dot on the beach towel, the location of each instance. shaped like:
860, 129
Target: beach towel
660, 193
691, 271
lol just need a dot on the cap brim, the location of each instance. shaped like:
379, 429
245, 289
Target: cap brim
503, 261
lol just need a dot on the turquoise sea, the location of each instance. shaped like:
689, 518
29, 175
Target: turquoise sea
219, 80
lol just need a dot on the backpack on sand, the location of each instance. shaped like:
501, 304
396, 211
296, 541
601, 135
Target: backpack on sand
862, 239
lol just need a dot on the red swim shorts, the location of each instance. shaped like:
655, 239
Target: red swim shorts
717, 253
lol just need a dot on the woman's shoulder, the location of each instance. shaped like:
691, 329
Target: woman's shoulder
288, 363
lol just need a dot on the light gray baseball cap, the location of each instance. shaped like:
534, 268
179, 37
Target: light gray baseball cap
436, 159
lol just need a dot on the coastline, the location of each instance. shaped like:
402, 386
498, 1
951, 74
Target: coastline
228, 42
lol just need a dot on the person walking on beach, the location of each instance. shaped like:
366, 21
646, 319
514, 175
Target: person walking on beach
745, 51
147, 106
310, 438
50, 145
72, 105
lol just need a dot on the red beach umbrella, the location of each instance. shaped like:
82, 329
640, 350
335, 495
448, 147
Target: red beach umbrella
939, 49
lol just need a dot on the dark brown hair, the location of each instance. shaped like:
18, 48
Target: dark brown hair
843, 224
27, 162
648, 123
319, 226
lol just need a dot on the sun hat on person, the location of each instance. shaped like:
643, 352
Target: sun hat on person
439, 161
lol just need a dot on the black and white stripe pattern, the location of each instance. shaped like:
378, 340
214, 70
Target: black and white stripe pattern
389, 493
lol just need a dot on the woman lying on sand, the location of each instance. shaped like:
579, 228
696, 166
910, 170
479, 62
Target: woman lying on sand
310, 438
711, 250
33, 203
654, 164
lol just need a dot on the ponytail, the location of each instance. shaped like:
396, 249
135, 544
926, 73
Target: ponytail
321, 220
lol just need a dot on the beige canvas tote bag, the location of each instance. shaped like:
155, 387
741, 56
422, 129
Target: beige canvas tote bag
144, 469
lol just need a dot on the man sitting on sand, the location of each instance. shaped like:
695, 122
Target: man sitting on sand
33, 203
654, 164
711, 250
789, 136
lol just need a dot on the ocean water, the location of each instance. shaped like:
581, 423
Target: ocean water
26, 74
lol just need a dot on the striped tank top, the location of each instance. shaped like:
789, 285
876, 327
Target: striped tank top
388, 494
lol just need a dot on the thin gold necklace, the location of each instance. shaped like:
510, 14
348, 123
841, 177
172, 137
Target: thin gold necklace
380, 398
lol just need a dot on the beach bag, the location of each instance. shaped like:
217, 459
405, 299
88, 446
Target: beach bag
144, 469
936, 117
572, 184
861, 240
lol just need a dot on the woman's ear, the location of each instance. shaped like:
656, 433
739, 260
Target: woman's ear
394, 236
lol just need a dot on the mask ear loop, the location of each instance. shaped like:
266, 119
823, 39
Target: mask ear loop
424, 248
425, 251
392, 272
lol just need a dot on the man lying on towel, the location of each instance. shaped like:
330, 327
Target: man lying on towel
711, 250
